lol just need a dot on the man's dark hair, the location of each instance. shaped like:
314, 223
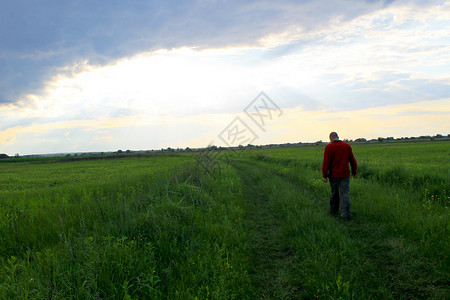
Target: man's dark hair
334, 135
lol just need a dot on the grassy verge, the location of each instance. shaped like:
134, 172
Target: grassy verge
257, 227
395, 246
174, 234
272, 263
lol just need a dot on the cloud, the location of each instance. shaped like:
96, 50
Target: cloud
139, 69
399, 120
188, 81
43, 39
295, 124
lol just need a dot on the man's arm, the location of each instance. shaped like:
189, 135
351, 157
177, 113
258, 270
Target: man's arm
353, 163
326, 163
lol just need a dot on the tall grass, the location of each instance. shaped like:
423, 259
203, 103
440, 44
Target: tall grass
150, 235
395, 247
166, 228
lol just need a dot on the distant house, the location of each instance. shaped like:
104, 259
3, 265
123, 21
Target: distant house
3, 156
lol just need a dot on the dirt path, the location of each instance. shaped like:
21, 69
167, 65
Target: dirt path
273, 262
381, 265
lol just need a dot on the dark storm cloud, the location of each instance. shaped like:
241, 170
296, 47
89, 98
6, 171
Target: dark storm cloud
39, 39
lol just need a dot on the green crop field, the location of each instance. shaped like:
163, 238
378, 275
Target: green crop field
253, 225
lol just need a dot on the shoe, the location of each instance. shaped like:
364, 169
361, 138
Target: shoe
346, 218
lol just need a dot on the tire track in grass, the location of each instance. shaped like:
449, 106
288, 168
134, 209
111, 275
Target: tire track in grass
368, 236
272, 262
387, 269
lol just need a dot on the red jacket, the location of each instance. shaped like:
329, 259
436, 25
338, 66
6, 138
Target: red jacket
336, 158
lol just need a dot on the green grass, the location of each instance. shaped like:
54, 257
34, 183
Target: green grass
153, 228
397, 244
161, 227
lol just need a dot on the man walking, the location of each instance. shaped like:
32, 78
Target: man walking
336, 158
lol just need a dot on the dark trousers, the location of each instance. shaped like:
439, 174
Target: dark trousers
340, 188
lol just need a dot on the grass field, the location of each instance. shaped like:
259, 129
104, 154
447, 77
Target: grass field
255, 227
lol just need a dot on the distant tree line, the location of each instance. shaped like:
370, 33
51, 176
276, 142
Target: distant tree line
215, 148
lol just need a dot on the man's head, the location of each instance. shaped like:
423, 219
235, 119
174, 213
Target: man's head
334, 136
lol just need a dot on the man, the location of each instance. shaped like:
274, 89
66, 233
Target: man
336, 158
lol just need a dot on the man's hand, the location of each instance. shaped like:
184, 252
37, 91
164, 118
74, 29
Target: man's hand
354, 176
325, 179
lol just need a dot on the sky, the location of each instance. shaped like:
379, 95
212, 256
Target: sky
82, 76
